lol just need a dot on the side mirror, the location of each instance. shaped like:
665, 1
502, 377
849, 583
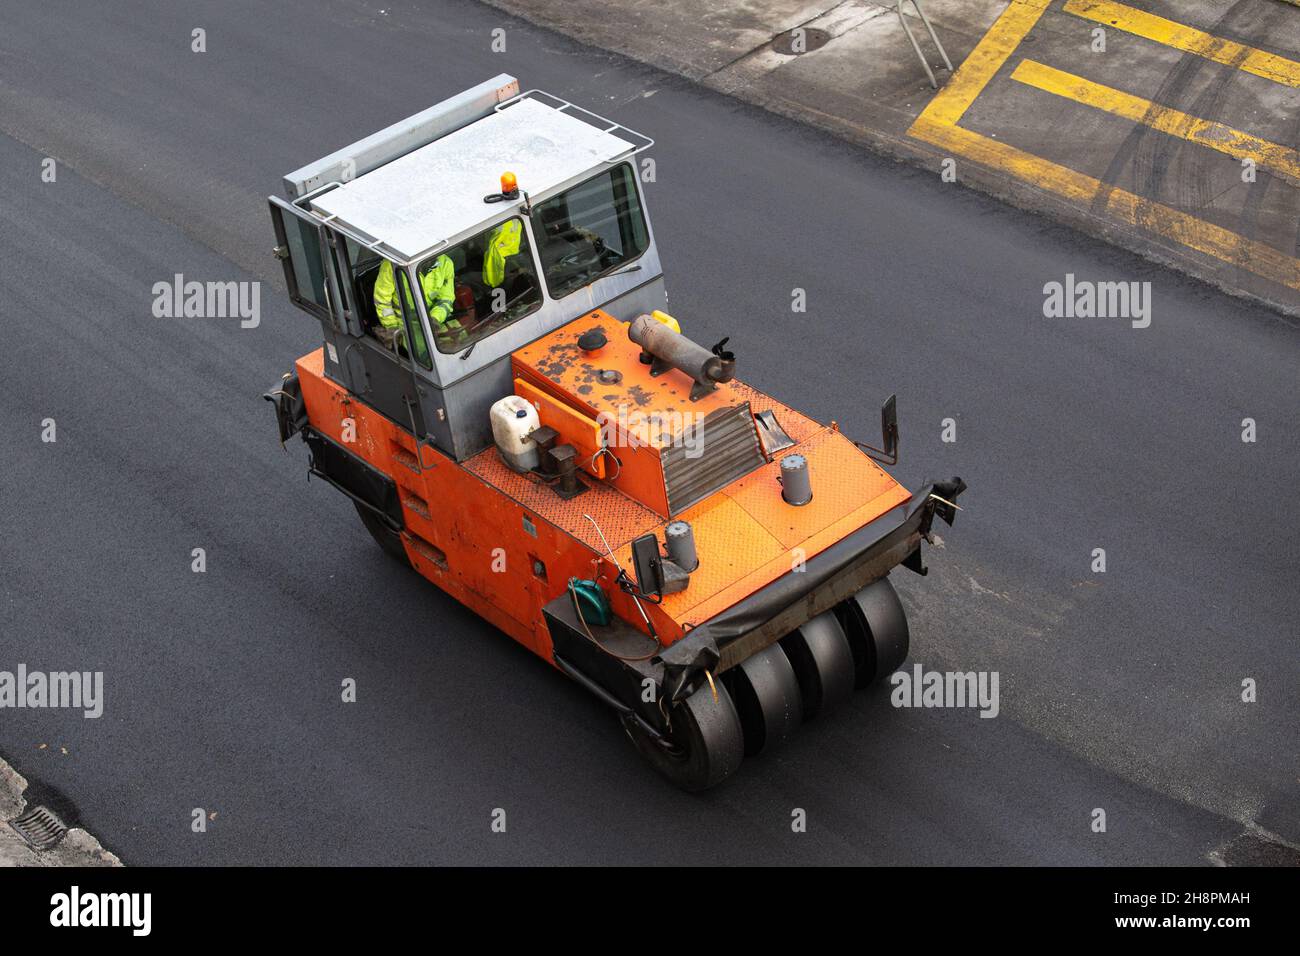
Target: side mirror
889, 427
888, 455
648, 565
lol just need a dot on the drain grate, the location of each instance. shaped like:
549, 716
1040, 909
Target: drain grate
800, 40
39, 827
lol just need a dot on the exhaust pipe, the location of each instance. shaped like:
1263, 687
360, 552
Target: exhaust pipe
673, 350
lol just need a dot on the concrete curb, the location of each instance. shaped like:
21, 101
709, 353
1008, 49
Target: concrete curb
77, 848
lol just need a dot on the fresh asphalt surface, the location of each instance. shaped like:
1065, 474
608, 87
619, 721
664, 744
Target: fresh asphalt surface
1119, 691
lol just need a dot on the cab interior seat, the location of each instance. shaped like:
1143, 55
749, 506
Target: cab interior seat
364, 288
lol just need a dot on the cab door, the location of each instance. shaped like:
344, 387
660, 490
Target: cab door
389, 380
316, 276
301, 246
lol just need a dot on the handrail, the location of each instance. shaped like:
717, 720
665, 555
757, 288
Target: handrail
400, 334
898, 8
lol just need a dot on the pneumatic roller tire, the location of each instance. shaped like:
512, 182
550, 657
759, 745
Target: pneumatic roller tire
706, 743
877, 627
384, 536
767, 698
823, 663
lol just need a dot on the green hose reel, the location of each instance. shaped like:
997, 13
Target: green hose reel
590, 601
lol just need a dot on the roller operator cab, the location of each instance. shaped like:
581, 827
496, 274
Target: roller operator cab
514, 415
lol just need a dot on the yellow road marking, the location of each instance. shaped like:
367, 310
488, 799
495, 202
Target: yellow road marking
1125, 206
1225, 139
937, 125
1188, 39
984, 61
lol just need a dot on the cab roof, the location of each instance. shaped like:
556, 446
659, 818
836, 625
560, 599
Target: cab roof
432, 195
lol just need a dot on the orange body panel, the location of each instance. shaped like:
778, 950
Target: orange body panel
640, 414
505, 544
748, 529
572, 426
478, 540
556, 364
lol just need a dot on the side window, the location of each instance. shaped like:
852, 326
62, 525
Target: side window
480, 286
364, 266
385, 309
592, 229
412, 319
304, 268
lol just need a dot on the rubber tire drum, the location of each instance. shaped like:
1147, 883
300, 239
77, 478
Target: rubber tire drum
877, 627
767, 698
386, 537
823, 663
707, 743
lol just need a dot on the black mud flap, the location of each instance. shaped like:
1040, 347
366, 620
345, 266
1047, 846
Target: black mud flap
938, 498
684, 666
290, 409
611, 669
354, 477
610, 662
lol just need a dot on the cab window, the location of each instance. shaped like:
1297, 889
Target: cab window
479, 286
392, 324
590, 230
411, 322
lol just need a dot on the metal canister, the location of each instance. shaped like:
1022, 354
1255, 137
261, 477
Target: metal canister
679, 538
796, 486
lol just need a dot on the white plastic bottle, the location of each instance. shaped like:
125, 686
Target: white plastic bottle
513, 419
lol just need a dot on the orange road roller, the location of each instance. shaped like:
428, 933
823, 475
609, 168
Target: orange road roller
503, 396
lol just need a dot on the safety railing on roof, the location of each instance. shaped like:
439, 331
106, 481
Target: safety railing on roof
564, 106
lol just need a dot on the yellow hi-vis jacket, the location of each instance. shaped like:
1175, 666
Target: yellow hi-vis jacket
502, 243
438, 283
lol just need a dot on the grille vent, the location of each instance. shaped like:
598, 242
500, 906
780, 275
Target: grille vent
725, 448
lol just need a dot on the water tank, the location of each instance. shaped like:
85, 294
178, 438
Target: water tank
513, 419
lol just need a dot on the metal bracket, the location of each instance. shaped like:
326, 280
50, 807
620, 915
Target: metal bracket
700, 389
934, 37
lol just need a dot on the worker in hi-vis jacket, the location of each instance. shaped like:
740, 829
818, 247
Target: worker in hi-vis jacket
437, 282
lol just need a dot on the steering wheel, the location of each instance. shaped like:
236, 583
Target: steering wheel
574, 259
